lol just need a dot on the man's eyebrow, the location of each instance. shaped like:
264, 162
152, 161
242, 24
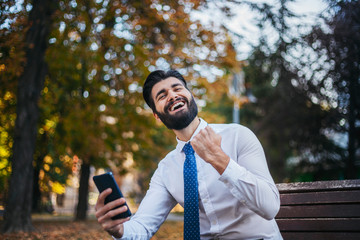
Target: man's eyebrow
163, 90
159, 92
176, 84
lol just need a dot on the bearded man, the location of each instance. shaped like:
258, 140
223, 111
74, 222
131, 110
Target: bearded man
217, 172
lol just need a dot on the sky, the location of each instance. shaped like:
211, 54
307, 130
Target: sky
242, 22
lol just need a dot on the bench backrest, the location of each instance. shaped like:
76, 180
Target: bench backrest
320, 210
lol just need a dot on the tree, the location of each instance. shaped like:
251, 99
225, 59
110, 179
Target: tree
18, 208
91, 105
291, 126
103, 51
308, 90
11, 60
337, 86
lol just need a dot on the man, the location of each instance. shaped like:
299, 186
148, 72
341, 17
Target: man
235, 195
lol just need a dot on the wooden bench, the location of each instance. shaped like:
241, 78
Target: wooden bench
320, 210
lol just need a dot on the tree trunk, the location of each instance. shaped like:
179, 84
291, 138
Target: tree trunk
82, 206
18, 208
36, 196
353, 76
40, 153
351, 171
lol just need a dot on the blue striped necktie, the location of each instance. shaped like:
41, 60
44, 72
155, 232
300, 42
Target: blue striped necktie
191, 197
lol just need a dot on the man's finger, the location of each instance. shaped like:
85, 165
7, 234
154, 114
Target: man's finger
101, 199
210, 130
103, 210
216, 138
116, 211
116, 226
104, 194
201, 136
105, 216
116, 203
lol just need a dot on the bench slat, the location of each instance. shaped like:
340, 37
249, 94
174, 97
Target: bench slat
320, 197
320, 211
328, 224
318, 186
320, 235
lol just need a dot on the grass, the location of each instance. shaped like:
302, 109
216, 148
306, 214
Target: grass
66, 229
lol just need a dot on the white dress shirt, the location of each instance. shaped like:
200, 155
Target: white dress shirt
239, 204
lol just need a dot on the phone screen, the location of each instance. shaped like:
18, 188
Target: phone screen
105, 181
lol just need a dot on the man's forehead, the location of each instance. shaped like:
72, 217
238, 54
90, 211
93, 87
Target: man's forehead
169, 82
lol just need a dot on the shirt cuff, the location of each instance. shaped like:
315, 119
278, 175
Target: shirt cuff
232, 172
231, 176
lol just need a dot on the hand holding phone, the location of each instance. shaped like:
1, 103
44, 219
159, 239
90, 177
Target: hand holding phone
105, 181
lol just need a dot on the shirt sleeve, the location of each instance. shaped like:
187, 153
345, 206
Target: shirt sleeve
152, 212
248, 177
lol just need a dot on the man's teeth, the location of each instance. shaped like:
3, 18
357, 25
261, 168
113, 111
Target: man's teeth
179, 104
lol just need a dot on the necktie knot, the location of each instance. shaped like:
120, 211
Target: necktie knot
188, 149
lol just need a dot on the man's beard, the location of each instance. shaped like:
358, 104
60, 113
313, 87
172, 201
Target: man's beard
181, 119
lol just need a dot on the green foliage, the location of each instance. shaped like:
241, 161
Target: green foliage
11, 59
99, 57
300, 108
337, 47
100, 53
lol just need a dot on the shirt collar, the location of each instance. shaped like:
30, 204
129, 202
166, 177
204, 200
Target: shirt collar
180, 144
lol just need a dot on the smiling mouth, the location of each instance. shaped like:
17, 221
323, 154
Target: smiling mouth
176, 106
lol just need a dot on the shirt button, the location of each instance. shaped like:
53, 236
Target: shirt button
243, 201
205, 200
213, 222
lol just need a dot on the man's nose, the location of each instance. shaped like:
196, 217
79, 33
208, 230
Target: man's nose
172, 96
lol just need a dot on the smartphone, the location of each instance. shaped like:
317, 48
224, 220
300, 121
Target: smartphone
105, 181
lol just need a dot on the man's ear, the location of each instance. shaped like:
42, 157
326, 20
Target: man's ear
156, 117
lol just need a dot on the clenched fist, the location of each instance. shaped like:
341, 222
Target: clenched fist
207, 144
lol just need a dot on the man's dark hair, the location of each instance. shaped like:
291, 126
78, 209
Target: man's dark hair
156, 77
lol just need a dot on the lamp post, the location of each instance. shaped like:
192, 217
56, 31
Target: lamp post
239, 94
